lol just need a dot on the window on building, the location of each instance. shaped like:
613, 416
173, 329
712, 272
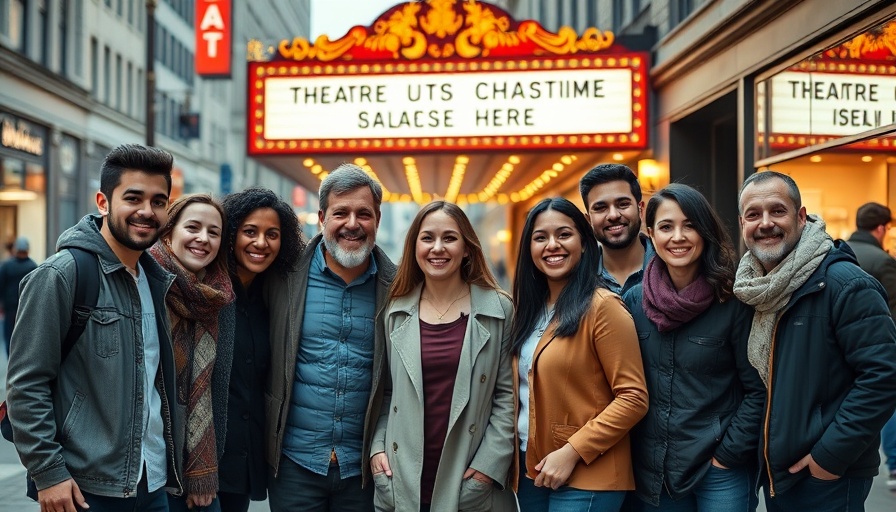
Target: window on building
129, 89
590, 14
77, 43
681, 9
62, 40
94, 68
119, 7
18, 22
107, 75
140, 107
43, 20
161, 112
108, 3
118, 80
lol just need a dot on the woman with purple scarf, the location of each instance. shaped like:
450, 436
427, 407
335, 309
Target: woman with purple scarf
696, 448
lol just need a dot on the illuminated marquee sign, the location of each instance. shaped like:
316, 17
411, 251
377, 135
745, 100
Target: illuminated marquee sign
447, 87
213, 33
838, 104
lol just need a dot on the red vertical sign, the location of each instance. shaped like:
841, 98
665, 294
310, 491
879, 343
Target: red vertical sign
213, 37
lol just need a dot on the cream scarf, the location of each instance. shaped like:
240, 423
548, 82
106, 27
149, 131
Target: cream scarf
769, 293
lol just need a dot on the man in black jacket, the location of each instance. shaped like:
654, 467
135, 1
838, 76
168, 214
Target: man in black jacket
823, 342
11, 273
872, 222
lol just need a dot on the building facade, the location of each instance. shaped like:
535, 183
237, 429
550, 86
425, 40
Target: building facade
804, 87
72, 87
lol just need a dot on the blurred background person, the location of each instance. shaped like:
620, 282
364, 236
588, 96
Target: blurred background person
695, 450
577, 369
448, 330
189, 248
11, 273
872, 222
263, 241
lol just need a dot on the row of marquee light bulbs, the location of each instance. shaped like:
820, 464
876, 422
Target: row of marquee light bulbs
648, 171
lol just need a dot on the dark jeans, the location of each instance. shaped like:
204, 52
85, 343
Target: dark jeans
842, 495
296, 488
179, 504
144, 501
564, 499
232, 502
720, 490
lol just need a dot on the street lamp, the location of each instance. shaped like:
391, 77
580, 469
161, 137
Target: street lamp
151, 72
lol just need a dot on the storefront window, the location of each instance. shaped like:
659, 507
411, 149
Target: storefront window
843, 91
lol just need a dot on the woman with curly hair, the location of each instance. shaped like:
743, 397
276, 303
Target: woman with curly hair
188, 247
264, 241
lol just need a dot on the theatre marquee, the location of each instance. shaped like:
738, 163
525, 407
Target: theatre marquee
447, 76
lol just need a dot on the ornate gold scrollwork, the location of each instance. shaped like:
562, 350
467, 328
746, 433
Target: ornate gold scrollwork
484, 32
323, 49
399, 34
441, 20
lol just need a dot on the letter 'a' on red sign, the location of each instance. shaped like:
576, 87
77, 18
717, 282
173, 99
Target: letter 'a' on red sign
213, 38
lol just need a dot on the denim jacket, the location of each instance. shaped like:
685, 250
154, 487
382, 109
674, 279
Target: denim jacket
82, 418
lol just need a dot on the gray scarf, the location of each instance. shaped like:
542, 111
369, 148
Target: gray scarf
769, 293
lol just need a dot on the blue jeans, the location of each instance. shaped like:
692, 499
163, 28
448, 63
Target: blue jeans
842, 495
295, 488
179, 504
888, 442
564, 499
720, 490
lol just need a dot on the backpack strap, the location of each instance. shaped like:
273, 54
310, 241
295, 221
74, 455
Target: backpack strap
87, 290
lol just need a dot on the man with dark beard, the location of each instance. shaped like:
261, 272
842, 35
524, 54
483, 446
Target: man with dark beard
327, 355
612, 197
824, 344
98, 427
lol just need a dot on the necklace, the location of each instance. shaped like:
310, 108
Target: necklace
439, 314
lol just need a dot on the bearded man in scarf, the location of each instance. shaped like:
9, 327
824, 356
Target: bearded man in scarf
823, 342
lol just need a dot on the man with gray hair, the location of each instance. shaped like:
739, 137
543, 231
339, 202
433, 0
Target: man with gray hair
823, 342
327, 354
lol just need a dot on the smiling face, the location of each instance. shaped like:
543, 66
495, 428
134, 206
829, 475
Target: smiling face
555, 245
257, 243
350, 224
676, 240
196, 237
440, 247
136, 211
614, 214
770, 221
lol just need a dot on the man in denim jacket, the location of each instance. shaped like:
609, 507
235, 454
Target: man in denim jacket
99, 429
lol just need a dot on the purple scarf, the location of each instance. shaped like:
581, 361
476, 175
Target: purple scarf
667, 307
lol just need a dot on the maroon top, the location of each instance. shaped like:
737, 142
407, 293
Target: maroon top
440, 346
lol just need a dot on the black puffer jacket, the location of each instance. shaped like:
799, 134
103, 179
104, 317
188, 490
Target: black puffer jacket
705, 398
832, 374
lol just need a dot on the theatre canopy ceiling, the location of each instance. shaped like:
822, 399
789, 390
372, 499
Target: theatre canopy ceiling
448, 99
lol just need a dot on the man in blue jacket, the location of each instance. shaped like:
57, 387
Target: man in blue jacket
101, 428
823, 342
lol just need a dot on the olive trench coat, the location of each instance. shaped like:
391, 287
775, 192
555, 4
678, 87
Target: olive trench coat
480, 426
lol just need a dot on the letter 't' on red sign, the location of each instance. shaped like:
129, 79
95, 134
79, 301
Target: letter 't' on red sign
213, 38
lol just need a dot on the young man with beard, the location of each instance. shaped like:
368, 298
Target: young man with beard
99, 427
327, 355
612, 197
824, 343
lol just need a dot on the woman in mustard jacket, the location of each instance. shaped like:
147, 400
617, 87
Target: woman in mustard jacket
578, 376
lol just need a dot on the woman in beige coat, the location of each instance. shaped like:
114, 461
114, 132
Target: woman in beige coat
448, 347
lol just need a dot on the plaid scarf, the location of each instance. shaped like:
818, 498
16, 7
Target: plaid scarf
193, 307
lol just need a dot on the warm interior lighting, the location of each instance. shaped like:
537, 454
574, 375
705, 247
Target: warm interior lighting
648, 174
867, 158
457, 178
618, 157
503, 235
815, 159
543, 179
413, 177
17, 194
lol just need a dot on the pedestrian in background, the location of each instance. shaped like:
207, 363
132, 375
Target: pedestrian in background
695, 451
327, 356
824, 344
264, 241
189, 248
872, 222
11, 273
447, 330
101, 428
612, 197
577, 369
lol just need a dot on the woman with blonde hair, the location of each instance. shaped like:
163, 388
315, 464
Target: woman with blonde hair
447, 329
